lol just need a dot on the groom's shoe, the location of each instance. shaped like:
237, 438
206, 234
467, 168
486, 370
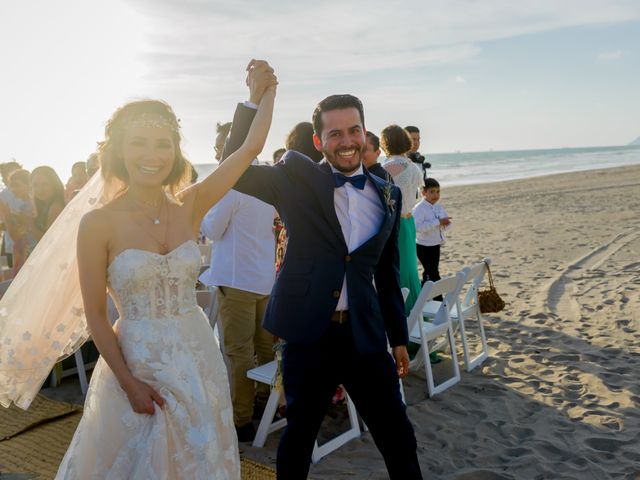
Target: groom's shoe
246, 433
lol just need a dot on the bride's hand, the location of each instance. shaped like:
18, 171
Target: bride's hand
142, 396
260, 78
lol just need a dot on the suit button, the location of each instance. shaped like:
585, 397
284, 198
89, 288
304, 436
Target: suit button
336, 294
347, 258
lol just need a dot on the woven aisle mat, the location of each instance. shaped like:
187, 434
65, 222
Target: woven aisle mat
40, 451
256, 471
14, 420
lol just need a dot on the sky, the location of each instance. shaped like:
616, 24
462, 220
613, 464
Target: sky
473, 75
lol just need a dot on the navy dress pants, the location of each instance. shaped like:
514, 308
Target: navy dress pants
311, 375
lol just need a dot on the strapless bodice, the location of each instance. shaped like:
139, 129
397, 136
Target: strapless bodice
147, 285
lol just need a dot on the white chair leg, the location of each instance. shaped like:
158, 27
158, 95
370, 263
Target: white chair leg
53, 381
455, 378
267, 425
427, 364
323, 450
463, 338
82, 374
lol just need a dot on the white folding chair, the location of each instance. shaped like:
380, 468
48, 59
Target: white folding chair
205, 253
80, 370
205, 300
266, 374
468, 306
81, 367
424, 332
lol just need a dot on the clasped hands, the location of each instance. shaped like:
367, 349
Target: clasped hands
260, 79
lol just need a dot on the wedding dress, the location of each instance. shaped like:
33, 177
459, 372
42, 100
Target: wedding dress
167, 343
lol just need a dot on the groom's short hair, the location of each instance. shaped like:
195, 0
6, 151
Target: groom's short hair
335, 102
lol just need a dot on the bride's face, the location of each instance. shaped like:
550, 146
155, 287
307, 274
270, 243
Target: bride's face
148, 153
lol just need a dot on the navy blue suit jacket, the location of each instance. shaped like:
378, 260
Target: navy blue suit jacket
307, 289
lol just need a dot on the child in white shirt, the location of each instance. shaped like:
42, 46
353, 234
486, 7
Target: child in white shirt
431, 221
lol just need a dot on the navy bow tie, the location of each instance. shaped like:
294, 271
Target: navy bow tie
357, 181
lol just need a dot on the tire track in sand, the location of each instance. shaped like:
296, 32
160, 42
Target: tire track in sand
560, 293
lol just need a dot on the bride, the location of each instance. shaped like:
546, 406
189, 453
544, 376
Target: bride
158, 405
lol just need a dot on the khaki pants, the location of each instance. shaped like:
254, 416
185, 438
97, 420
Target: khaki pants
244, 339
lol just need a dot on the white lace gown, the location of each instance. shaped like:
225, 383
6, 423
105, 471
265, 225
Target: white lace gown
167, 342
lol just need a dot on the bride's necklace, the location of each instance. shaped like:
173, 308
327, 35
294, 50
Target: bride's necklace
164, 247
144, 206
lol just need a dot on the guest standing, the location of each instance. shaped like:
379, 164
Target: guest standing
8, 198
431, 221
17, 216
396, 142
371, 155
77, 180
48, 193
414, 155
243, 269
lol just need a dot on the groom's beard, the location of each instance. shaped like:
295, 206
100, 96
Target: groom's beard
342, 165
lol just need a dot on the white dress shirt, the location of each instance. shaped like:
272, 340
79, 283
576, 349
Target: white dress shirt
427, 219
360, 213
243, 251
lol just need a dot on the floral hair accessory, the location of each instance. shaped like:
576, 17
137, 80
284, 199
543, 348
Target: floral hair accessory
153, 120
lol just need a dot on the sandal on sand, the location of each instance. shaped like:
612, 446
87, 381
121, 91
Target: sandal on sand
434, 357
413, 348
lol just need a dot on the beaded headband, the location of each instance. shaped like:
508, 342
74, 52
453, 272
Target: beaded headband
152, 120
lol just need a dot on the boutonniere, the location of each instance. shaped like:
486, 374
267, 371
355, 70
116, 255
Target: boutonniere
391, 203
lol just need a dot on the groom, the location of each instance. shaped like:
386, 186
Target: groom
343, 234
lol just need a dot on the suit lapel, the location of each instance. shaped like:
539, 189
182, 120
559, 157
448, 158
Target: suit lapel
383, 201
325, 189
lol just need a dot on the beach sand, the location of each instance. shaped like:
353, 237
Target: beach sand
559, 396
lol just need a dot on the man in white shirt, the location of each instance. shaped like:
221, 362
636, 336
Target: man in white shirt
243, 269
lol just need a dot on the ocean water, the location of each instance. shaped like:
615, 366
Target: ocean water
482, 167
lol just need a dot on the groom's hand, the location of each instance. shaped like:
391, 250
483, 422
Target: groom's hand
260, 78
401, 356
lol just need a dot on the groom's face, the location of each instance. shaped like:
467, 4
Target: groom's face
342, 140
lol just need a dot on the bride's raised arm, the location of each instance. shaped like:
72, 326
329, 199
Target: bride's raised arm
262, 85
